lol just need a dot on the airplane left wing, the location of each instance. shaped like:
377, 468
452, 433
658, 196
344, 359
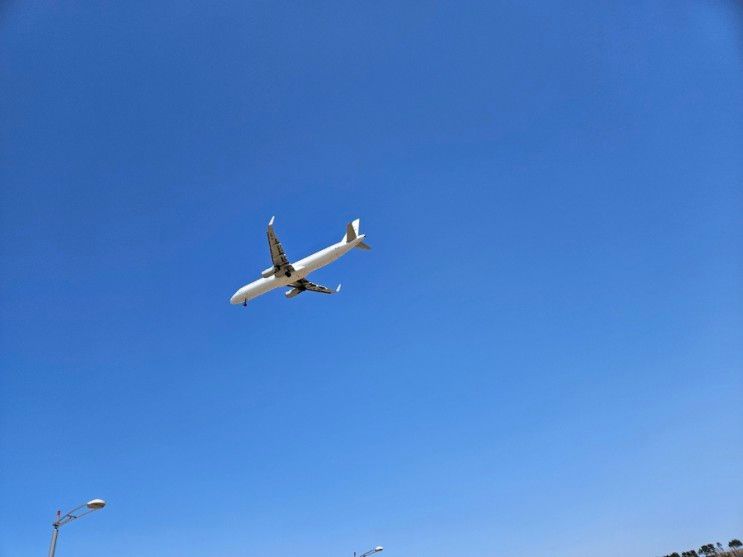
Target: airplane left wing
303, 284
278, 255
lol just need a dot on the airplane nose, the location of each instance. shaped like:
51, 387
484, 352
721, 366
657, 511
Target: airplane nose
235, 299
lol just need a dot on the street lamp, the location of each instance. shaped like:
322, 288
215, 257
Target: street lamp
77, 512
370, 552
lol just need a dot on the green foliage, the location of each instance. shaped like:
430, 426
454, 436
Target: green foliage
712, 550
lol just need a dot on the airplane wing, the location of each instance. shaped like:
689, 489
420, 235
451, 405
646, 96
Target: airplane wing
303, 284
278, 255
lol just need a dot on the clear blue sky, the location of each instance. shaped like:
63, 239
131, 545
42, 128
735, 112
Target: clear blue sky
543, 352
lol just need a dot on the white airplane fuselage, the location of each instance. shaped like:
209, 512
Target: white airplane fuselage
302, 268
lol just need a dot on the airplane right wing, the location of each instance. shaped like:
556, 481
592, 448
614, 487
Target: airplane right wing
303, 284
307, 285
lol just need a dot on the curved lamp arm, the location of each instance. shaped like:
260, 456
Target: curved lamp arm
78, 512
372, 551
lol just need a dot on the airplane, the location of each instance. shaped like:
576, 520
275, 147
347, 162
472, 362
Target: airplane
284, 273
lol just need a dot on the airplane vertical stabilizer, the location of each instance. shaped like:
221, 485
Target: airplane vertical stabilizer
352, 231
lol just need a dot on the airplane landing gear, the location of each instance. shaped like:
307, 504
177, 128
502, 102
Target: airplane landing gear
245, 303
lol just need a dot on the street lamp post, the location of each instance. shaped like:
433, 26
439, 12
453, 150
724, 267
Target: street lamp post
77, 512
377, 549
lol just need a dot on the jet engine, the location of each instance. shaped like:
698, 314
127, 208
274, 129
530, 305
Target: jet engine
293, 292
268, 272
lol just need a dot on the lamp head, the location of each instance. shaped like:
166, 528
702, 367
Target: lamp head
378, 549
95, 504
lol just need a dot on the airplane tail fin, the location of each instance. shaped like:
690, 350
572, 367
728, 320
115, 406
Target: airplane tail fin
352, 233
